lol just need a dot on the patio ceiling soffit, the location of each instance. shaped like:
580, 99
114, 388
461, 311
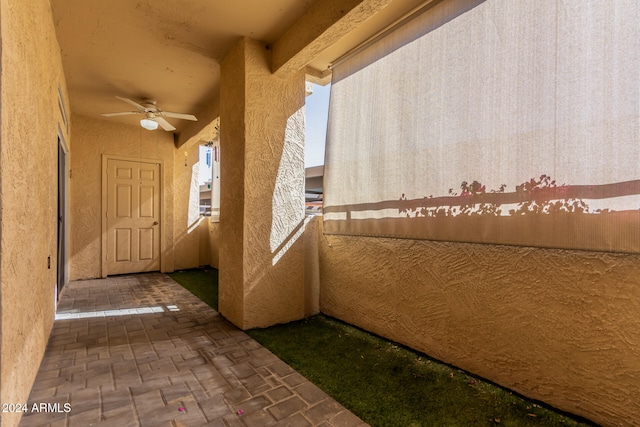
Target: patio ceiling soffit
320, 28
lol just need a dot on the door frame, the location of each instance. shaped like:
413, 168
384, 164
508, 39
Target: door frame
104, 236
62, 255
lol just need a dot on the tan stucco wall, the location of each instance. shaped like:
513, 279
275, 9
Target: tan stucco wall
204, 243
213, 235
555, 325
92, 139
312, 236
29, 119
187, 218
232, 170
262, 190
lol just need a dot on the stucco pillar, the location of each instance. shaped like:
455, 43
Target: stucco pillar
262, 190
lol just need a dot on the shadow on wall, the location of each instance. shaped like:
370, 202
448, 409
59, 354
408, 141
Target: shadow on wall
193, 214
288, 199
191, 229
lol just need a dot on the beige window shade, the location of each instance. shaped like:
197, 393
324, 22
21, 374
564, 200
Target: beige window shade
497, 121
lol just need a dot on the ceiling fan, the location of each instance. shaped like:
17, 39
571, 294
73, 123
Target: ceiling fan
154, 116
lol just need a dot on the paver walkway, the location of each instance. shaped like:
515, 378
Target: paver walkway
140, 350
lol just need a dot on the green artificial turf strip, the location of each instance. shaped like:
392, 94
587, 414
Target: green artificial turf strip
383, 383
388, 385
202, 282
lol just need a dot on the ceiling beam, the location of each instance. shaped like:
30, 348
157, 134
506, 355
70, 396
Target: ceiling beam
323, 25
321, 78
203, 129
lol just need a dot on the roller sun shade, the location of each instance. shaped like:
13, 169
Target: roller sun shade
496, 121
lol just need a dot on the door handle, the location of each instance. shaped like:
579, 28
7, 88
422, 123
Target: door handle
155, 222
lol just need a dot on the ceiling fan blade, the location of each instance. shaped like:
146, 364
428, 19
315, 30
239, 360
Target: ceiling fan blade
130, 102
179, 116
164, 124
124, 113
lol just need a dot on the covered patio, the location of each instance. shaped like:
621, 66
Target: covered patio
140, 350
96, 208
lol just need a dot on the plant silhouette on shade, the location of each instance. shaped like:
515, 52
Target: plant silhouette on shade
539, 196
536, 204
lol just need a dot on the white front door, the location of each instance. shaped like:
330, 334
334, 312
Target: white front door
133, 216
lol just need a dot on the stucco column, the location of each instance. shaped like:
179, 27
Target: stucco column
262, 190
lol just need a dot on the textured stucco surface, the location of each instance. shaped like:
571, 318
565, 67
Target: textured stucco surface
262, 190
232, 143
187, 219
91, 139
213, 235
312, 236
31, 74
555, 325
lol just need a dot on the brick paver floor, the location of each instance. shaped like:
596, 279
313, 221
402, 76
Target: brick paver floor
140, 350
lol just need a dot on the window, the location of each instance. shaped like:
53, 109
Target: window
209, 180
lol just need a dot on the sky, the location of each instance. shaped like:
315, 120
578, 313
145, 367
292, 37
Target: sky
317, 111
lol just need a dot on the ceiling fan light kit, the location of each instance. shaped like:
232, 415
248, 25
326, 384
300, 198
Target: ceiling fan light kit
149, 124
154, 116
